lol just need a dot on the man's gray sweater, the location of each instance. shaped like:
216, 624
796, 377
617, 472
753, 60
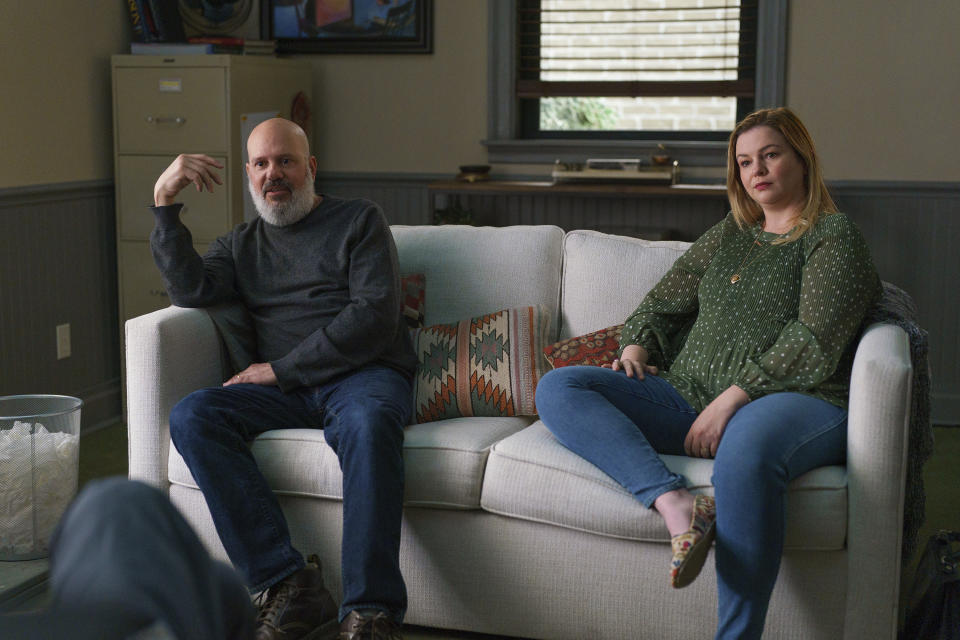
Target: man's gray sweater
322, 294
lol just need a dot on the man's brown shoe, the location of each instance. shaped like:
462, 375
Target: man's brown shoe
369, 625
298, 607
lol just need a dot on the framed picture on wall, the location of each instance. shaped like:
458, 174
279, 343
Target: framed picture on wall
349, 26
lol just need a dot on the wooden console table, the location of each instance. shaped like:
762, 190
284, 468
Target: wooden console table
649, 211
601, 190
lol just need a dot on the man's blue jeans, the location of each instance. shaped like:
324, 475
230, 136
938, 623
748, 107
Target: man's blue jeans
620, 424
362, 415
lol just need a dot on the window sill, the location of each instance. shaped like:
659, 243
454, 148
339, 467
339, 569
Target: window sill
546, 151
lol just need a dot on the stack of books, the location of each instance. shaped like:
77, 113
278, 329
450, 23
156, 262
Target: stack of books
169, 48
622, 170
260, 47
206, 45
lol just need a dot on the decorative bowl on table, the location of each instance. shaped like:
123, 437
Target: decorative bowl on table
473, 173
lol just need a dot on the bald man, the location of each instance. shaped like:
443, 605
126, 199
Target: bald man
319, 280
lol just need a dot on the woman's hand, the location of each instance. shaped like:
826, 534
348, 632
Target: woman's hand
633, 360
704, 436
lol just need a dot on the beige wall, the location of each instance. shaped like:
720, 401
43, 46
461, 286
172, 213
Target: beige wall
878, 86
55, 113
407, 113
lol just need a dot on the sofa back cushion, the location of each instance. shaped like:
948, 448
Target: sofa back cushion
471, 271
605, 277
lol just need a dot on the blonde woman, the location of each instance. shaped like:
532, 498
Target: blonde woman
742, 353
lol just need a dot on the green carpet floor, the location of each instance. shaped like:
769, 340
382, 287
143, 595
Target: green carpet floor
103, 453
941, 478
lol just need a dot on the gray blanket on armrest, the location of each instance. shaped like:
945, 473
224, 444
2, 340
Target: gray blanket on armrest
897, 308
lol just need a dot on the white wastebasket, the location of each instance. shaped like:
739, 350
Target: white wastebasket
39, 458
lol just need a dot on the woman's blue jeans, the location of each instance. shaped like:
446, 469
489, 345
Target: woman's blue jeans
362, 415
620, 424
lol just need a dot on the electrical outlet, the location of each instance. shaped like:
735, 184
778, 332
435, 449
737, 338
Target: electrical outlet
63, 341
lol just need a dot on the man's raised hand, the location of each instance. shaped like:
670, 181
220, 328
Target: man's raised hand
196, 168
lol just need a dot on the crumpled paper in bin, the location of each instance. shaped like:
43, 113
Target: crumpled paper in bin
35, 486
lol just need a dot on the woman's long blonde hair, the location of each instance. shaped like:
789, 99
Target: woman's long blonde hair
818, 201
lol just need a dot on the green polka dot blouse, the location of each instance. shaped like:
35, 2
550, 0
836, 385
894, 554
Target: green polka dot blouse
787, 323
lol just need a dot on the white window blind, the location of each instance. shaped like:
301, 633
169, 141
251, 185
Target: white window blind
636, 48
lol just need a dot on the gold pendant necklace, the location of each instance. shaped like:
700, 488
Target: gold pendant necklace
735, 278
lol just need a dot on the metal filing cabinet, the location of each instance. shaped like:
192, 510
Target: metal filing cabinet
164, 106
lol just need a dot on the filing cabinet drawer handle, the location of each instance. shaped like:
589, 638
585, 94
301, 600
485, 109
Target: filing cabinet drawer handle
166, 120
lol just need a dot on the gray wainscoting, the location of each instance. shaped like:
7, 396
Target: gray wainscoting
913, 231
57, 266
404, 198
910, 227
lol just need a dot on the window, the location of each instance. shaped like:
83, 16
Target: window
643, 68
578, 78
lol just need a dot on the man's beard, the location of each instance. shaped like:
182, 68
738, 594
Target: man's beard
284, 213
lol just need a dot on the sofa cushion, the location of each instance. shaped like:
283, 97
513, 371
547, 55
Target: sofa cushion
530, 475
474, 270
595, 348
412, 290
444, 461
488, 365
605, 277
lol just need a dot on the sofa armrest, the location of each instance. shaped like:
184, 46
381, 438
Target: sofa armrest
877, 436
169, 353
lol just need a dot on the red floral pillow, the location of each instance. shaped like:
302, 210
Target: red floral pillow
596, 348
413, 288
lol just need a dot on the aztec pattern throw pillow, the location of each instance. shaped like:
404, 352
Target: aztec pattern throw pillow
483, 366
596, 348
413, 288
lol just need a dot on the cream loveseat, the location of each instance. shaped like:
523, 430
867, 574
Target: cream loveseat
505, 531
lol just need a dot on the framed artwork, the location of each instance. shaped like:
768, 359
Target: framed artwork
349, 26
222, 19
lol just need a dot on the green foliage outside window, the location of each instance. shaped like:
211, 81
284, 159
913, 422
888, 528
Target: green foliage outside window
576, 114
